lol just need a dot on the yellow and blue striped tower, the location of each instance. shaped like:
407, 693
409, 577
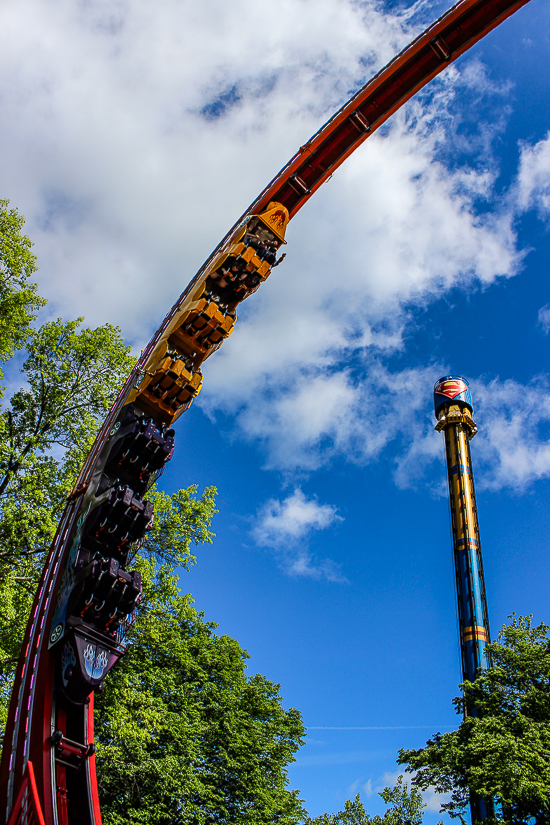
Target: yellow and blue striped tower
454, 410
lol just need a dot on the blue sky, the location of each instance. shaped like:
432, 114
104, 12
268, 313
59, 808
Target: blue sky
134, 135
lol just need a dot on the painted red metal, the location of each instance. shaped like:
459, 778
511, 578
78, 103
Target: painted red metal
27, 809
36, 710
94, 798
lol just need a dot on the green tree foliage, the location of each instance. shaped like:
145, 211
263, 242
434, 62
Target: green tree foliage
354, 813
406, 807
505, 752
19, 300
71, 377
183, 735
181, 522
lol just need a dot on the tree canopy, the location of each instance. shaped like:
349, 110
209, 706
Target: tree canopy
406, 808
19, 299
183, 735
504, 752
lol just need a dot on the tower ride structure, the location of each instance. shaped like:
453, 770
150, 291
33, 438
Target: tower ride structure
86, 598
454, 410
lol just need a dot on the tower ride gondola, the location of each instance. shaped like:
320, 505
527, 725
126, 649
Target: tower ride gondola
86, 598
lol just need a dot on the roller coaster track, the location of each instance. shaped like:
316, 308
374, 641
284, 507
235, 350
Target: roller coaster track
85, 598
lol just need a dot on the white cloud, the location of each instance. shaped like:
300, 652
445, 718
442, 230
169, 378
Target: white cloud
534, 177
544, 318
285, 527
389, 779
367, 789
323, 413
514, 445
128, 179
138, 133
362, 787
292, 519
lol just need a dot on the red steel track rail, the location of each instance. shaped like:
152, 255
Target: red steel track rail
37, 707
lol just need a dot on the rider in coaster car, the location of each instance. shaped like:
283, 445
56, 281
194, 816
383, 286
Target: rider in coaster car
262, 240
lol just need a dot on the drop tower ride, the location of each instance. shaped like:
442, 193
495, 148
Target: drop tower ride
454, 410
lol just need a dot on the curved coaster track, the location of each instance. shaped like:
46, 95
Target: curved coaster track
86, 599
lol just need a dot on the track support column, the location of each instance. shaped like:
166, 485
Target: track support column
454, 410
